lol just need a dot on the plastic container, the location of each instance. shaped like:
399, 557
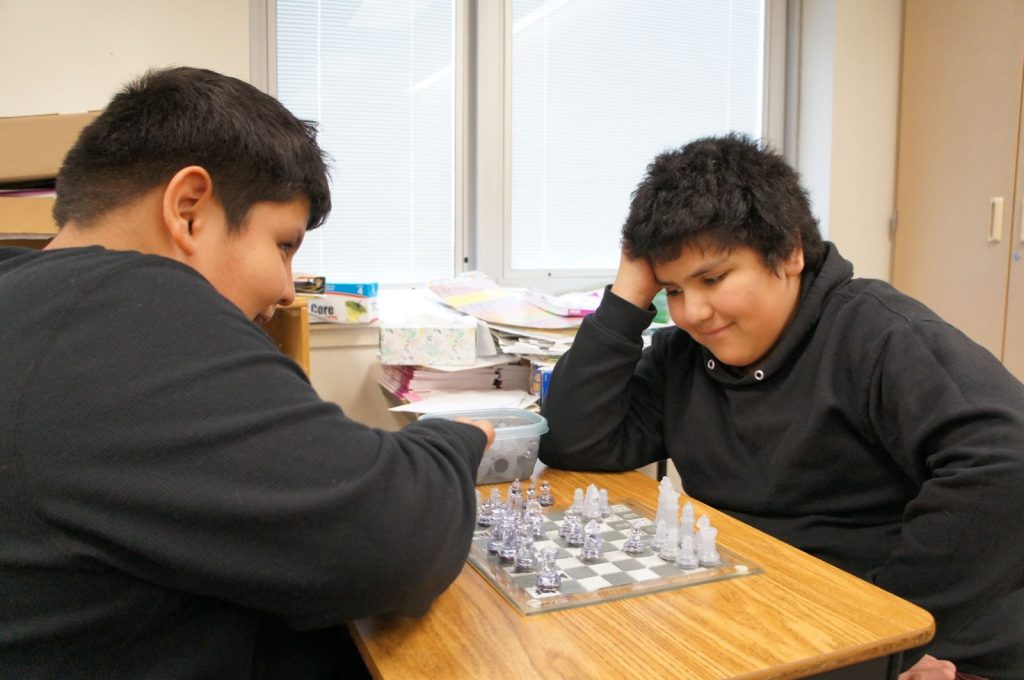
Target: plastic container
517, 440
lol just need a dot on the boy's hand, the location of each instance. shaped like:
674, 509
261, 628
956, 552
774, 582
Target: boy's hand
484, 425
635, 281
930, 668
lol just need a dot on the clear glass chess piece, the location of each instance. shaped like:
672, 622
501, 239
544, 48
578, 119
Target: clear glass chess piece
593, 544
545, 498
634, 544
548, 578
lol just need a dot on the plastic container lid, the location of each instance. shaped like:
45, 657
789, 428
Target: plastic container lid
509, 423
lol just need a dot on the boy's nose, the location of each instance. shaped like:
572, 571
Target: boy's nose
696, 309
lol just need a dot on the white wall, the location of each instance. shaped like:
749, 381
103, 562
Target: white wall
68, 56
849, 108
61, 56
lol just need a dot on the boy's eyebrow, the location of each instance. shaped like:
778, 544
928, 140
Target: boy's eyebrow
701, 271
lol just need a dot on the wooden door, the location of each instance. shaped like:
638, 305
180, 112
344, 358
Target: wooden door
960, 110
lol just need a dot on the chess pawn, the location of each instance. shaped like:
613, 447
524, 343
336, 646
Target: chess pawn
526, 556
708, 555
670, 548
634, 544
545, 498
574, 532
687, 557
548, 578
485, 515
531, 495
593, 544
497, 537
606, 510
568, 518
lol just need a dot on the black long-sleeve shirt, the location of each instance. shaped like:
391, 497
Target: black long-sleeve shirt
875, 436
173, 488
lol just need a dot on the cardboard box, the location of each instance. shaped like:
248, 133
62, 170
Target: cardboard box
33, 147
27, 217
345, 303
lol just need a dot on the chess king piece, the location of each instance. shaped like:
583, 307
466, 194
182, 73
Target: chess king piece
548, 578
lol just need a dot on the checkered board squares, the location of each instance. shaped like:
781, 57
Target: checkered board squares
617, 576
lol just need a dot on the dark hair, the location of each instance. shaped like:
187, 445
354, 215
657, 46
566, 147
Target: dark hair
722, 193
252, 146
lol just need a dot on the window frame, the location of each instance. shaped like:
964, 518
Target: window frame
482, 107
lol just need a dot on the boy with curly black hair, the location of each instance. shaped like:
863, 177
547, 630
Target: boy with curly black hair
832, 412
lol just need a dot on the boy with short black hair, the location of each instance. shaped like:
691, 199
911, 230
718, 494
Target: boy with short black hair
834, 413
177, 501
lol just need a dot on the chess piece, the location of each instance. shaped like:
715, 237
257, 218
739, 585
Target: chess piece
670, 548
577, 502
548, 578
510, 541
546, 499
660, 532
591, 504
686, 520
606, 510
573, 531
485, 515
634, 544
708, 555
526, 556
687, 556
593, 544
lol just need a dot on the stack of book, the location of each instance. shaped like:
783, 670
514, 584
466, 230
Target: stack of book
415, 383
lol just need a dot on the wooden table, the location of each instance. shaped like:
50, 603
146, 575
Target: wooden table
800, 617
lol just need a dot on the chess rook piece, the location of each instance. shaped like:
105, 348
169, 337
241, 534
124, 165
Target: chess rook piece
548, 578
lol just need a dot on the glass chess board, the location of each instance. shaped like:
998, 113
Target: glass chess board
618, 575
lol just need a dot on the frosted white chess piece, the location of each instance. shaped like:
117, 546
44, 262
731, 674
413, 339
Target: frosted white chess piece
687, 557
591, 504
708, 555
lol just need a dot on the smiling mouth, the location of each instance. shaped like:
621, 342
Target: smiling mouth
712, 332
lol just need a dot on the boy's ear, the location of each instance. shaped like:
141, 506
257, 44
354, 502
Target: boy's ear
793, 265
186, 196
